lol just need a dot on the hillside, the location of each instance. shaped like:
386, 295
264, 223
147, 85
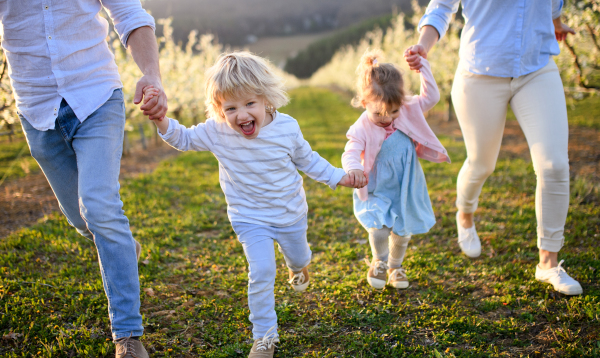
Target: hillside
237, 25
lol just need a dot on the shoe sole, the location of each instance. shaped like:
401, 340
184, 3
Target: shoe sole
402, 284
302, 287
471, 255
575, 293
376, 283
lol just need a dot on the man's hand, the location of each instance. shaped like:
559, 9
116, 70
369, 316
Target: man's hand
413, 56
142, 45
150, 94
156, 107
354, 179
561, 30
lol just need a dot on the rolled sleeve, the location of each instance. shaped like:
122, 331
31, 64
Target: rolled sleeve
557, 6
127, 16
438, 15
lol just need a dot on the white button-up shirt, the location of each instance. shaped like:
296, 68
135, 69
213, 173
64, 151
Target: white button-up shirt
58, 49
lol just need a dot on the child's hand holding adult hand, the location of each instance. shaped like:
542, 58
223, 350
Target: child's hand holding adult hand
354, 179
151, 94
413, 56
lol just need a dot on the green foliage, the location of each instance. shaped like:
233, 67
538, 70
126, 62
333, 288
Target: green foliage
580, 54
308, 61
52, 300
402, 33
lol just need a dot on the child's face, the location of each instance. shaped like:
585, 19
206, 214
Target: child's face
382, 114
246, 114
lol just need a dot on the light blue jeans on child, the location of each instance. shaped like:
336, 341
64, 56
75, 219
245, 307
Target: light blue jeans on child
82, 162
257, 241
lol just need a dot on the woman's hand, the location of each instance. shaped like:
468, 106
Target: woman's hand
413, 56
561, 30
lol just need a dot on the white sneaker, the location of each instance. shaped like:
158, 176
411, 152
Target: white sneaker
397, 277
468, 240
559, 278
300, 280
376, 276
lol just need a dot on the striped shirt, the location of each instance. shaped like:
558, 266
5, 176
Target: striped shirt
259, 176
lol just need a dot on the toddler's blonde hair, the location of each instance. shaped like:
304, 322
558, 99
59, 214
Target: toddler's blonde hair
377, 81
242, 73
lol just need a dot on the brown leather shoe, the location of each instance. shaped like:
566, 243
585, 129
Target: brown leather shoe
397, 278
376, 276
130, 348
264, 347
299, 280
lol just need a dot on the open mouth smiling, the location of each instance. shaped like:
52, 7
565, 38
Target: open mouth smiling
248, 128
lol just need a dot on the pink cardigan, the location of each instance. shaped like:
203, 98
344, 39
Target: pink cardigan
365, 138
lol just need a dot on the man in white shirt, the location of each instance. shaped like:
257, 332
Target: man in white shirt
69, 100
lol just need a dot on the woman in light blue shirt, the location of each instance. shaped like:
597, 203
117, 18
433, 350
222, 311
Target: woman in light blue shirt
505, 58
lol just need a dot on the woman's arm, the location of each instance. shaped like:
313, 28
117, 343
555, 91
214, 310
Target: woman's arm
432, 27
429, 36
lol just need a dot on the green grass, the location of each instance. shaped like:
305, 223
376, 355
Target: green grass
51, 293
584, 112
15, 159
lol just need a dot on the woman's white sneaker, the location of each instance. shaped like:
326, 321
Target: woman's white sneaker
559, 278
468, 240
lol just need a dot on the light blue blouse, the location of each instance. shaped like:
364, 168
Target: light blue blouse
500, 38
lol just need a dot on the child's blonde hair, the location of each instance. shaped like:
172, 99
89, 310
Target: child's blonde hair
377, 81
241, 73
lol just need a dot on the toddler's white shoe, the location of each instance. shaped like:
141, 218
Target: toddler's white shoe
559, 278
468, 240
397, 277
376, 276
300, 280
264, 347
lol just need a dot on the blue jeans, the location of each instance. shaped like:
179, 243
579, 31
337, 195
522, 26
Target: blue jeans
257, 241
81, 162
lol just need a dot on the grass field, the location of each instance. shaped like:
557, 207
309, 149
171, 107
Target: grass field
194, 278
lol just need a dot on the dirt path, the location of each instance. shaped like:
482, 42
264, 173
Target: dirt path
23, 201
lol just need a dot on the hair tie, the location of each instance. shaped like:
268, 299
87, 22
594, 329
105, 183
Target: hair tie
374, 62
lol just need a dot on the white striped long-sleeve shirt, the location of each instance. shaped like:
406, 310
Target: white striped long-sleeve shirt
259, 176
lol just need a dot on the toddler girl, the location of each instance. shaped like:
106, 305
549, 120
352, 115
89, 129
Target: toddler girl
259, 151
385, 143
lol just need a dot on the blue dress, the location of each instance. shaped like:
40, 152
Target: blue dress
397, 189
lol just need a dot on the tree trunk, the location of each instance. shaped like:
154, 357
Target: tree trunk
450, 115
142, 136
125, 144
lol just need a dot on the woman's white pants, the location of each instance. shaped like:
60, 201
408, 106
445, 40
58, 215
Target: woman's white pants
538, 101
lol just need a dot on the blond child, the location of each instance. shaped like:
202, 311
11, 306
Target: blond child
384, 144
259, 151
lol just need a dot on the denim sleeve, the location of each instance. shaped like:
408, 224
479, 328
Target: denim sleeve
127, 15
557, 6
438, 15
313, 165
